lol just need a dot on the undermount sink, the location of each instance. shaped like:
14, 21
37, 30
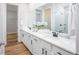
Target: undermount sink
45, 32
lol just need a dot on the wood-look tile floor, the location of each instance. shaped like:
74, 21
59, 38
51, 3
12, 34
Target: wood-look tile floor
16, 48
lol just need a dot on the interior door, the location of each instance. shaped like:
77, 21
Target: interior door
11, 18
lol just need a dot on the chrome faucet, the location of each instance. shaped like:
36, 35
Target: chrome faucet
55, 34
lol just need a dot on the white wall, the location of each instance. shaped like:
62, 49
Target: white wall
23, 17
34, 6
3, 22
77, 27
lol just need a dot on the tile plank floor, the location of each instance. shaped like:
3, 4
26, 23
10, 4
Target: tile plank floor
15, 48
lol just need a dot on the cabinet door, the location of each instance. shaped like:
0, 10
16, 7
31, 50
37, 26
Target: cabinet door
24, 37
46, 48
21, 35
59, 51
36, 46
28, 40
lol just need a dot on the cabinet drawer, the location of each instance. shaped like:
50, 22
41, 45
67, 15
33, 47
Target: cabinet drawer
59, 51
46, 45
37, 40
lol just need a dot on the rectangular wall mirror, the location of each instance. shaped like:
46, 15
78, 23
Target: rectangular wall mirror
57, 15
61, 18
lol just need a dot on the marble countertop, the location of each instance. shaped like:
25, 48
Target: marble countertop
64, 43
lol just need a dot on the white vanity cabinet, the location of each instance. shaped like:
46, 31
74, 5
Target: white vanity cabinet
38, 46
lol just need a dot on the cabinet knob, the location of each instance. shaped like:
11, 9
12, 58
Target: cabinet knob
42, 51
31, 42
22, 35
35, 39
45, 52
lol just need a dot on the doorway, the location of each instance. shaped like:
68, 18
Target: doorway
11, 25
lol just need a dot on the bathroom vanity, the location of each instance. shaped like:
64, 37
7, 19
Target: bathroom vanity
40, 44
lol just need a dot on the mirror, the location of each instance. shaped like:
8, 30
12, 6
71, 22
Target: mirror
43, 15
56, 15
61, 18
38, 15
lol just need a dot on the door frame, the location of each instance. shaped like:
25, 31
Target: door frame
6, 20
